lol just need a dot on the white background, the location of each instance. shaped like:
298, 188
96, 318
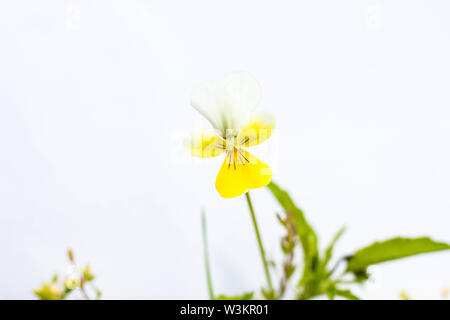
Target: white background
95, 96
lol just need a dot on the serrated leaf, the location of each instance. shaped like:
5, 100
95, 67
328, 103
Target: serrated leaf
306, 233
392, 249
311, 277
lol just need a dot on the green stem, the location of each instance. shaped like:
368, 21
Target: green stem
258, 237
206, 254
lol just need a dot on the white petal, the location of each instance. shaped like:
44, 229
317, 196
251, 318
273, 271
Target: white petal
227, 104
243, 92
208, 98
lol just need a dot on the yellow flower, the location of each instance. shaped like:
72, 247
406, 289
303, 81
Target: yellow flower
229, 105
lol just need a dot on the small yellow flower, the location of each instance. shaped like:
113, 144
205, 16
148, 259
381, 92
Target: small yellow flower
229, 105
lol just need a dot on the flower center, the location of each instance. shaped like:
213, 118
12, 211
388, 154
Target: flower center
236, 156
232, 143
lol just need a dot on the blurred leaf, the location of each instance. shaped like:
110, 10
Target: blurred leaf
206, 256
72, 283
76, 279
244, 296
49, 291
361, 275
268, 294
289, 270
306, 233
330, 291
347, 294
70, 255
87, 275
329, 250
404, 295
392, 249
281, 220
55, 278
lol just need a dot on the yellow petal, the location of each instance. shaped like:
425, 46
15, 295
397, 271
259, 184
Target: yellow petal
206, 144
240, 172
258, 130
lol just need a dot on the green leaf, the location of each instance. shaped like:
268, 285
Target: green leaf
330, 291
329, 250
306, 233
55, 278
49, 291
206, 256
312, 277
392, 249
244, 296
87, 275
347, 294
268, 294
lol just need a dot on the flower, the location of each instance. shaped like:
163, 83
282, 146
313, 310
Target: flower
229, 105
